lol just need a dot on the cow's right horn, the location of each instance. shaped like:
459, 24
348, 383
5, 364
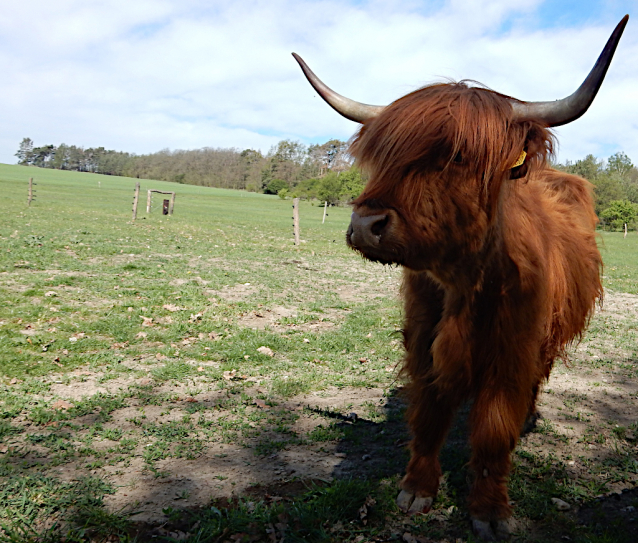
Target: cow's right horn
355, 111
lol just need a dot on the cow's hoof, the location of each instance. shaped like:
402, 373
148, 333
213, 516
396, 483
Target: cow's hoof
497, 530
483, 530
504, 528
411, 504
530, 423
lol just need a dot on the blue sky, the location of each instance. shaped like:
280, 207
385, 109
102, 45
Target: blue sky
153, 74
576, 13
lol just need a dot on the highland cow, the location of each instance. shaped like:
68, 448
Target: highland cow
501, 266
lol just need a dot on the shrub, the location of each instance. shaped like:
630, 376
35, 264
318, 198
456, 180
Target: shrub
619, 213
275, 186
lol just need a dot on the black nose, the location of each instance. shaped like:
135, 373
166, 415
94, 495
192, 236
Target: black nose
367, 231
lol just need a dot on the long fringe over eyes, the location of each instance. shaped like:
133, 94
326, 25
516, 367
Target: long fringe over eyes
444, 124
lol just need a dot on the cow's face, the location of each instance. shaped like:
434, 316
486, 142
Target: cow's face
437, 161
419, 218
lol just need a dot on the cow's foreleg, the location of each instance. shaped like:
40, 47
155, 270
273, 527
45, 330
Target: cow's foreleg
496, 419
429, 416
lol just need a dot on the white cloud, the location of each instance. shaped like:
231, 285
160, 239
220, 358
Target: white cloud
146, 75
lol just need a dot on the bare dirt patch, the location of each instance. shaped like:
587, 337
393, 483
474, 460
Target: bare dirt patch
277, 319
263, 318
226, 470
236, 293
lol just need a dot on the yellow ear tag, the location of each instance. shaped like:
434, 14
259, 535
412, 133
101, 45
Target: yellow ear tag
521, 158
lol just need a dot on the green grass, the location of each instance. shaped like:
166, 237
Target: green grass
127, 347
620, 255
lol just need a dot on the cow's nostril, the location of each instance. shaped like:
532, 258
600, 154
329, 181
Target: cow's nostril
379, 226
366, 231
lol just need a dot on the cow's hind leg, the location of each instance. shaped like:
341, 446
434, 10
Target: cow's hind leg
496, 419
533, 415
429, 416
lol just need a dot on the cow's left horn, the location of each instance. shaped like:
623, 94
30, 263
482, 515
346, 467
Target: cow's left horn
355, 111
569, 109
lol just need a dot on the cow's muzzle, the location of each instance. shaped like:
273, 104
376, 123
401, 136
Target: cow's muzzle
366, 232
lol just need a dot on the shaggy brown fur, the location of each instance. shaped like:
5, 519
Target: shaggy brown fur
502, 270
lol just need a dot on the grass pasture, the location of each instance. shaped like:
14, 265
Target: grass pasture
199, 378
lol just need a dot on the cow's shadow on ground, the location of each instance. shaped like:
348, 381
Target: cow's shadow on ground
616, 513
379, 450
375, 449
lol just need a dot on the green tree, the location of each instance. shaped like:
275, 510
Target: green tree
25, 151
92, 158
75, 158
619, 213
329, 189
307, 189
589, 167
619, 163
607, 188
42, 157
327, 154
114, 163
630, 185
352, 183
288, 150
251, 163
284, 161
266, 178
59, 161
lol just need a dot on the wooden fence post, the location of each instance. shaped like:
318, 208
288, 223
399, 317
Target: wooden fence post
135, 200
172, 205
325, 208
30, 197
625, 231
295, 219
148, 202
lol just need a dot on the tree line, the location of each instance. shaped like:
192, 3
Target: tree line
615, 188
290, 168
319, 171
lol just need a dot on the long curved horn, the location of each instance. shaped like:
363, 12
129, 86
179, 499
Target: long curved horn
355, 111
569, 109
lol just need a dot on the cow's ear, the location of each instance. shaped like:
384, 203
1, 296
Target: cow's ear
538, 144
520, 171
